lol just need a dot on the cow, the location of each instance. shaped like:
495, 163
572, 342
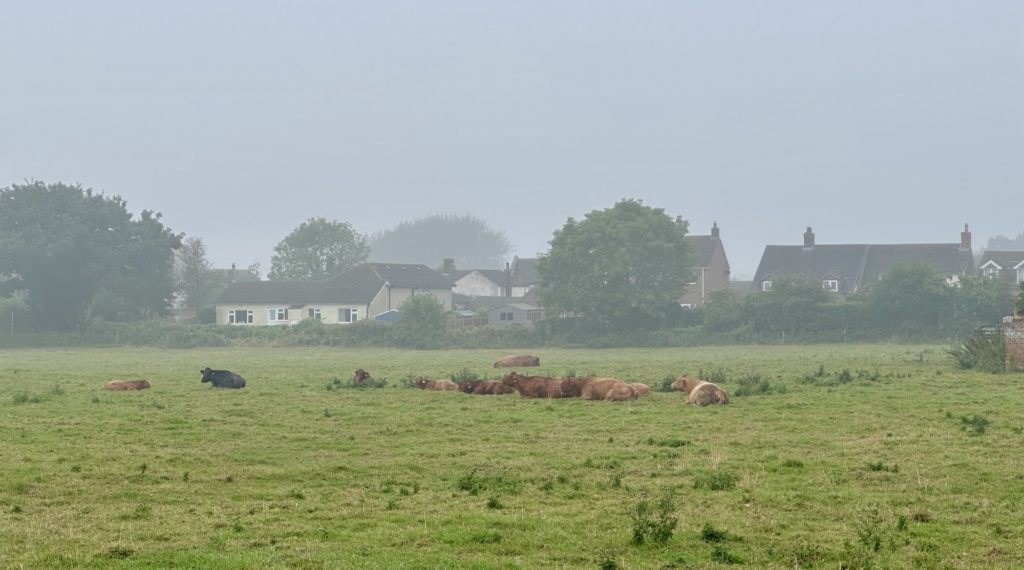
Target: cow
127, 385
642, 390
699, 392
485, 387
516, 361
535, 386
591, 388
222, 378
423, 383
361, 375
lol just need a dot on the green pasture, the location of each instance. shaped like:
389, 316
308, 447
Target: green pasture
855, 456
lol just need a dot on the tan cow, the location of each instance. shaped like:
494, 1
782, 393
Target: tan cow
485, 387
699, 392
439, 385
523, 360
642, 390
591, 388
127, 385
535, 386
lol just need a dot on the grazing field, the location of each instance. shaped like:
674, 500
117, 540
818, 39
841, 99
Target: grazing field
867, 456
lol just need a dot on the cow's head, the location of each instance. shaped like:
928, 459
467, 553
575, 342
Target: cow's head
468, 386
512, 379
360, 375
685, 383
207, 374
420, 382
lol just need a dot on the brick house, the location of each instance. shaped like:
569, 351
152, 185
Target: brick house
711, 270
1004, 266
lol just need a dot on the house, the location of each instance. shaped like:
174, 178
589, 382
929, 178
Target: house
1004, 266
523, 275
711, 270
363, 292
514, 314
846, 268
481, 282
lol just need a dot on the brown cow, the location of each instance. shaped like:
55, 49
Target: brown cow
361, 375
127, 385
485, 387
700, 393
642, 390
535, 386
439, 385
591, 388
515, 361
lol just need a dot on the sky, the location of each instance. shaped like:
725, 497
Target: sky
881, 121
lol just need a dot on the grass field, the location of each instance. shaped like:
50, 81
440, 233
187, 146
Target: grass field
901, 461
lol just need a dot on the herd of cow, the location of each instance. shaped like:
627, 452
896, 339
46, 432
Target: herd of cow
698, 392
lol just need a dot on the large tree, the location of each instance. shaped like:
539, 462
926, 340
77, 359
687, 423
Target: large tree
466, 239
196, 281
624, 265
80, 255
318, 249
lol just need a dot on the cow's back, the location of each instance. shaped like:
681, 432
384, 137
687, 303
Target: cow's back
706, 394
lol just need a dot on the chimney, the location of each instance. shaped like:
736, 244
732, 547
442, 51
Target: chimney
965, 239
231, 274
714, 230
448, 267
808, 238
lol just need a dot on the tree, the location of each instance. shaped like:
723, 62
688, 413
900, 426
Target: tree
466, 239
791, 306
196, 282
421, 321
621, 266
81, 255
909, 300
318, 249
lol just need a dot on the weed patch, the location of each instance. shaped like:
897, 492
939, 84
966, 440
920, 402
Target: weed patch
653, 522
718, 480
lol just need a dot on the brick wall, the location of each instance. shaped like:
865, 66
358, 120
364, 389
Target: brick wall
1014, 333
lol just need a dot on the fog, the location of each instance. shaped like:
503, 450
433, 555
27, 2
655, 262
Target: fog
873, 122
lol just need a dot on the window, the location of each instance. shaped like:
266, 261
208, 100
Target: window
686, 305
239, 317
1020, 276
348, 315
276, 315
314, 313
766, 286
506, 317
830, 285
991, 272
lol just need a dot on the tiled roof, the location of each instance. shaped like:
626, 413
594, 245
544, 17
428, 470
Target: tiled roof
356, 290
703, 248
496, 276
1005, 259
524, 272
403, 275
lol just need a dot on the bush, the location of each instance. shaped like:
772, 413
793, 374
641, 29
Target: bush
653, 522
984, 350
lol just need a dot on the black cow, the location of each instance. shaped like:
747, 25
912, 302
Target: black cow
222, 378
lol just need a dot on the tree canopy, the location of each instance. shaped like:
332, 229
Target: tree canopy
195, 279
621, 266
318, 249
80, 255
466, 239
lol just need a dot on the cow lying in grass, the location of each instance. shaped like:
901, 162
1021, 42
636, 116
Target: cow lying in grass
523, 360
485, 387
222, 378
127, 385
440, 385
534, 386
699, 392
360, 375
642, 390
591, 388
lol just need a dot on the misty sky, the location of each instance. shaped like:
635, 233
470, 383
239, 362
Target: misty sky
873, 121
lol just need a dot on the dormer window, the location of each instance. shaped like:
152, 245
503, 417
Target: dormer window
991, 272
830, 285
766, 286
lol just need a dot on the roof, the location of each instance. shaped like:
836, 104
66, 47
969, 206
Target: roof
520, 306
703, 249
403, 275
486, 302
524, 272
355, 290
496, 276
1004, 259
853, 265
233, 275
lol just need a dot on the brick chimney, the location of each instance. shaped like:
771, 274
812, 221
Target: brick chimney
714, 230
965, 239
448, 267
808, 238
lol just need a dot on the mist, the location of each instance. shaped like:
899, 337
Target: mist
873, 122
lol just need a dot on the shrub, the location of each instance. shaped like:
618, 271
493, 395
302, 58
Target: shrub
655, 522
755, 385
984, 350
976, 424
464, 375
719, 480
709, 533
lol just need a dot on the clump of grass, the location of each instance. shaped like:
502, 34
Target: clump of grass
975, 424
478, 480
708, 533
119, 552
793, 463
494, 503
717, 375
723, 555
16, 509
755, 385
296, 494
339, 384
879, 466
670, 442
666, 384
141, 512
610, 564
464, 375
718, 480
653, 522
